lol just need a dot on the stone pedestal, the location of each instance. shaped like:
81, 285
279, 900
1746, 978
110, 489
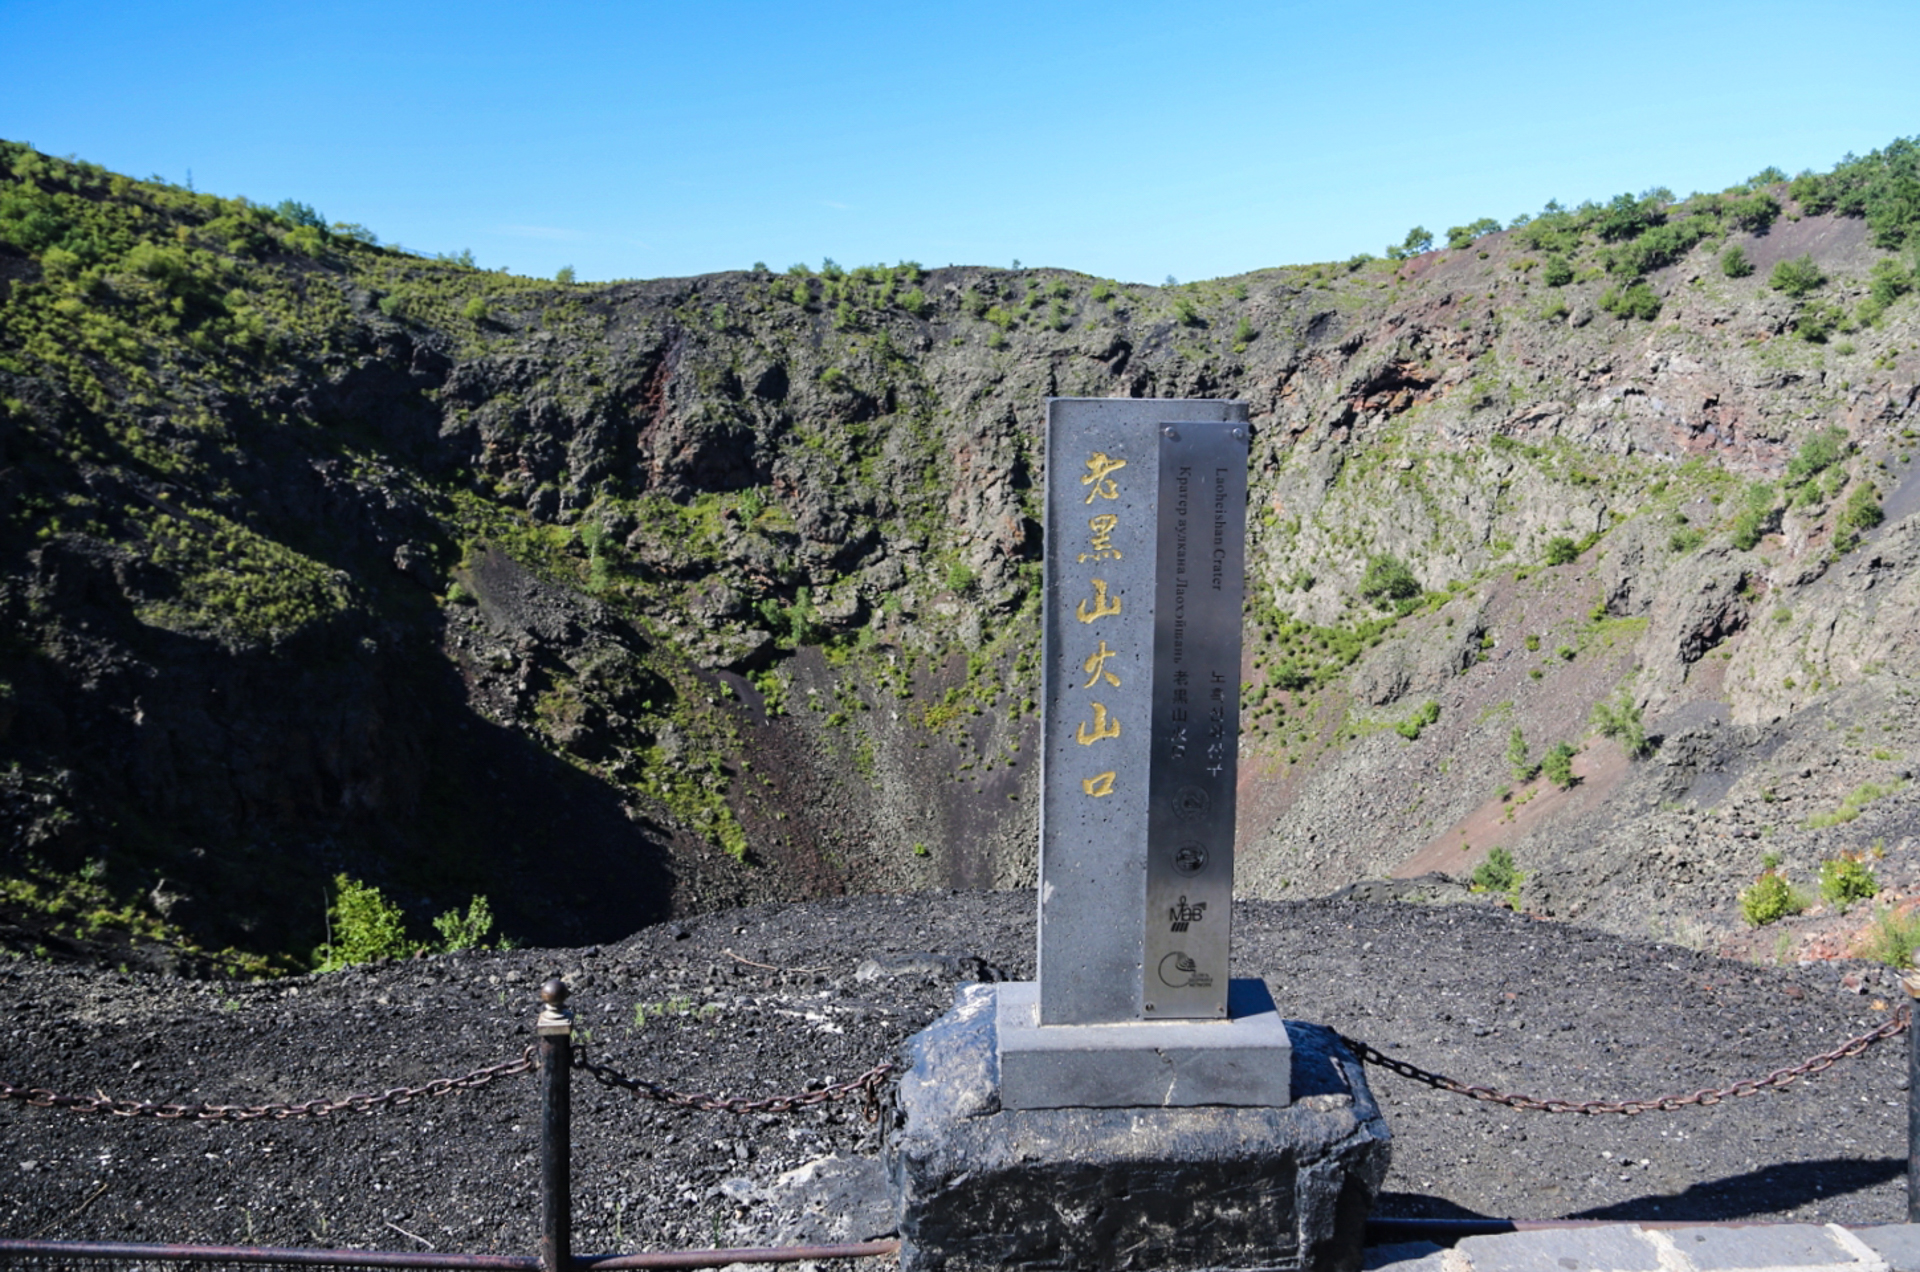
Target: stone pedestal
1167, 1189
1243, 1061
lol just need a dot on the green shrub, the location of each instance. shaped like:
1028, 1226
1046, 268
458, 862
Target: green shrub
1562, 551
1889, 280
1844, 880
1734, 262
1807, 191
1756, 213
1816, 322
1797, 277
475, 310
1463, 235
1620, 720
1659, 246
1770, 899
1557, 764
1686, 539
1627, 217
1818, 453
1635, 301
1861, 514
1410, 727
1388, 579
362, 925
1498, 874
467, 931
1756, 517
1558, 272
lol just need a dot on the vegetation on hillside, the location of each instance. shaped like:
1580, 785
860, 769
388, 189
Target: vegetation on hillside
835, 502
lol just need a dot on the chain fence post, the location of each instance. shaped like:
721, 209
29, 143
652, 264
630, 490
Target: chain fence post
555, 1030
1911, 981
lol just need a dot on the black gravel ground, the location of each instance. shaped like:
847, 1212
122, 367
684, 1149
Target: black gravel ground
1481, 994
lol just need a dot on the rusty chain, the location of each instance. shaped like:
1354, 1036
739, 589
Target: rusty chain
1895, 1024
866, 1085
394, 1097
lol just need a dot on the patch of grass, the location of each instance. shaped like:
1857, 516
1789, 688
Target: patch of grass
1856, 801
1893, 938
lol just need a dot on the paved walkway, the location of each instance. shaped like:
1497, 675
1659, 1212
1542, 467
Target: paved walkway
1786, 1247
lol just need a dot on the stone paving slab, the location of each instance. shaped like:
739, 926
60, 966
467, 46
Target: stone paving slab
1796, 1247
1897, 1243
1622, 1248
1405, 1256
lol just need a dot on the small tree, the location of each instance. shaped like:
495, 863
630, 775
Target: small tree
1557, 764
1419, 239
1523, 768
1636, 300
1797, 277
1734, 262
1388, 579
1460, 236
1562, 551
1620, 720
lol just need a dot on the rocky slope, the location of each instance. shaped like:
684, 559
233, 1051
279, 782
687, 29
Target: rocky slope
619, 602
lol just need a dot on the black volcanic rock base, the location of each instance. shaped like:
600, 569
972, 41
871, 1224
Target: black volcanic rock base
980, 1187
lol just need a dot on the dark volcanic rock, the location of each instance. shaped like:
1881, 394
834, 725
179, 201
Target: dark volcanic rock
1479, 993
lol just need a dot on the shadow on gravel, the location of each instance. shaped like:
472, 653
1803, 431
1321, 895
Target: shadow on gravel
1771, 1190
1766, 1191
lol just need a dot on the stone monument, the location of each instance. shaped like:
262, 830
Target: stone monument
1135, 1107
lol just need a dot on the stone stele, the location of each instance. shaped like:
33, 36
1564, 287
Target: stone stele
978, 1186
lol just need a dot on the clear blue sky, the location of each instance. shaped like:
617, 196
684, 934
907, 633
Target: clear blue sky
1131, 140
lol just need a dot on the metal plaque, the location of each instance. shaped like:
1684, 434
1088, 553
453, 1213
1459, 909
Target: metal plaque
1104, 514
1199, 576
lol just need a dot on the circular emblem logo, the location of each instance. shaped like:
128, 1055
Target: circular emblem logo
1190, 802
1190, 859
1177, 970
